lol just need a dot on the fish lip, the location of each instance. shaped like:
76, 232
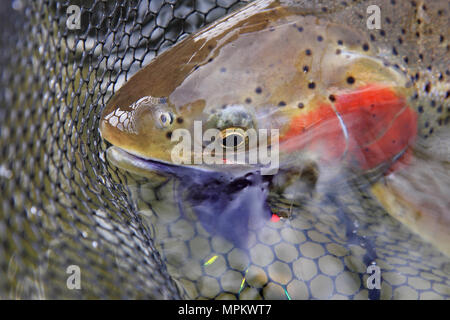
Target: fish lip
194, 173
156, 162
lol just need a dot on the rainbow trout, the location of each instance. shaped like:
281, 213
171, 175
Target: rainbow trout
343, 99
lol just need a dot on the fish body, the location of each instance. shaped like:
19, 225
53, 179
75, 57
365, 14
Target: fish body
316, 82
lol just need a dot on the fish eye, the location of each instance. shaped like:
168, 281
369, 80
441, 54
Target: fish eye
232, 138
165, 119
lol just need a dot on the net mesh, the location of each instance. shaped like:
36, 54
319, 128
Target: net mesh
63, 206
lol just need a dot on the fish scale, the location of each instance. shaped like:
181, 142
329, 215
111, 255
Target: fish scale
331, 239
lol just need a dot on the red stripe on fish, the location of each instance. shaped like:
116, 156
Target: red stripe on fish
376, 126
314, 131
395, 140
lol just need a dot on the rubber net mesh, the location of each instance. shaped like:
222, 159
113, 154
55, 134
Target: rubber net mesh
62, 203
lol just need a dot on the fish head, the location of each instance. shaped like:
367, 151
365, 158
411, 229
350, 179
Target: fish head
318, 83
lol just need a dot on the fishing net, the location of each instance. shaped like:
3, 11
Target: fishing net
60, 205
69, 217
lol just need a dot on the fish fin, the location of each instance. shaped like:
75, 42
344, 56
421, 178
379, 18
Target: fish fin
230, 208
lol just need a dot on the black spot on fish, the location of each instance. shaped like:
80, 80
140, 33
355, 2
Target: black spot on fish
338, 51
420, 109
281, 104
382, 33
169, 134
427, 87
340, 42
180, 120
311, 85
441, 38
248, 100
320, 38
258, 90
300, 29
332, 98
350, 80
308, 52
394, 51
305, 69
439, 109
365, 47
372, 38
300, 105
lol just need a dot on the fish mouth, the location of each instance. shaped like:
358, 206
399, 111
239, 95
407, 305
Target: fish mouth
138, 164
149, 166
